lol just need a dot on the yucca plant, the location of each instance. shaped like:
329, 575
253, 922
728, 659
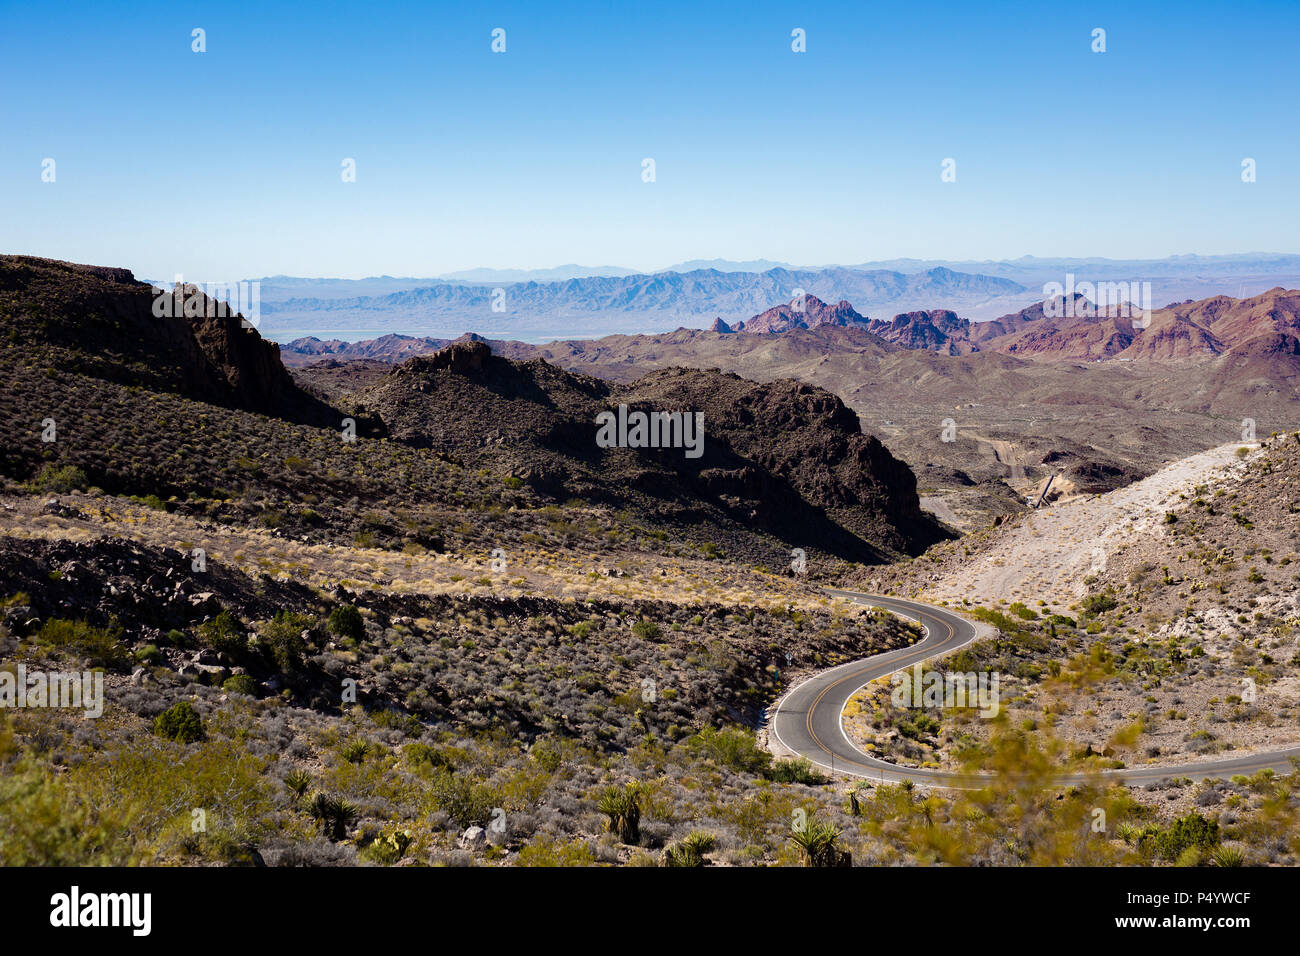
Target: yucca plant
297, 782
620, 805
1227, 856
692, 850
817, 839
355, 751
333, 814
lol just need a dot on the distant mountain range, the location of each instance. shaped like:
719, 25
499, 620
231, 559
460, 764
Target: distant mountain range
605, 304
590, 301
1073, 331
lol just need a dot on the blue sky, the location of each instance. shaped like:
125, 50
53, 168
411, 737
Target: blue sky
226, 164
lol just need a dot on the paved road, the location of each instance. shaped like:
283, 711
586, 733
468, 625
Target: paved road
807, 720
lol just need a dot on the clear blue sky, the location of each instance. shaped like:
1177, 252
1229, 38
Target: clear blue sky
226, 164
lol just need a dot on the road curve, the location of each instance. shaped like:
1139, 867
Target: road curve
807, 720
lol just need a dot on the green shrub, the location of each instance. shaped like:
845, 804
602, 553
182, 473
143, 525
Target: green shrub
1192, 831
797, 770
733, 747
101, 647
149, 654
240, 684
1021, 611
61, 480
546, 851
346, 621
467, 802
1095, 604
418, 754
225, 634
646, 630
282, 640
179, 722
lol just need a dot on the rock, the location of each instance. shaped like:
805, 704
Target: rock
473, 838
21, 619
57, 508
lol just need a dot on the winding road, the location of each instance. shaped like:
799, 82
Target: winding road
808, 719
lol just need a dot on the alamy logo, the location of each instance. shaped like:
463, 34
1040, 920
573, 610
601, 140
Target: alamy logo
651, 430
938, 690
1126, 300
84, 691
74, 909
211, 299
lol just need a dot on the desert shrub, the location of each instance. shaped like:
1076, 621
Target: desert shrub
1190, 832
240, 684
1095, 604
283, 641
179, 722
421, 753
733, 747
466, 802
149, 654
224, 634
60, 480
546, 851
646, 630
796, 770
101, 647
346, 621
1021, 611
45, 821
547, 756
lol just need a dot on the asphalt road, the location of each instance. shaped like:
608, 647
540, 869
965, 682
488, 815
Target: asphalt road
807, 720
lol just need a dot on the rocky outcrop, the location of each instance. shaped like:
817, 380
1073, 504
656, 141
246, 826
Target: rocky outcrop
103, 323
805, 312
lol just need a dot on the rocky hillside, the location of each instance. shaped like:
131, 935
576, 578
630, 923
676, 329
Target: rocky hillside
784, 457
101, 323
386, 348
134, 398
